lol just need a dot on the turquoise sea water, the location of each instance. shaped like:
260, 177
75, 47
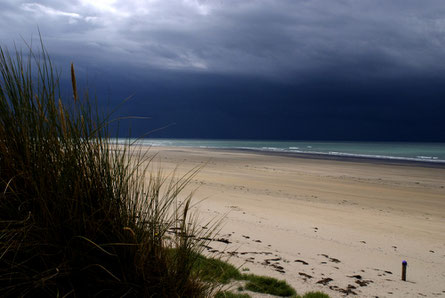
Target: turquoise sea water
427, 152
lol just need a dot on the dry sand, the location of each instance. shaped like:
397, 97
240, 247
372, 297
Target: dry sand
341, 227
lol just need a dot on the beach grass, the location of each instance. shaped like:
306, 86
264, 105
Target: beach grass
227, 294
218, 271
268, 285
79, 215
215, 270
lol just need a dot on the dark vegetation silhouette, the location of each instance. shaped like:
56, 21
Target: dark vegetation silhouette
81, 216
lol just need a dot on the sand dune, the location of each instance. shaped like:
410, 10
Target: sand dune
342, 227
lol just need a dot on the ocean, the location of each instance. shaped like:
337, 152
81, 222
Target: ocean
425, 152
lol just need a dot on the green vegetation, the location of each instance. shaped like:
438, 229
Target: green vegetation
80, 216
268, 285
215, 270
227, 294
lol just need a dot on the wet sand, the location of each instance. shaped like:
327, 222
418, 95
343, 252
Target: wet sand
339, 226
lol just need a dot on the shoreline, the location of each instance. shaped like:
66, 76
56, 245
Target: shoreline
320, 156
306, 220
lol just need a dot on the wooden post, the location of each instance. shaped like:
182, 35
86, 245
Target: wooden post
404, 264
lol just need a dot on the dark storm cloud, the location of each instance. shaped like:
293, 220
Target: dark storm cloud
240, 107
259, 69
270, 38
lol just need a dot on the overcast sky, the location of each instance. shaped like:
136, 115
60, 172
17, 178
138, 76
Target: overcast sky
297, 69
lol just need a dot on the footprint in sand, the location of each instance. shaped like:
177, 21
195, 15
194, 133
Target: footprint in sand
325, 281
334, 260
355, 276
306, 276
348, 290
360, 281
302, 262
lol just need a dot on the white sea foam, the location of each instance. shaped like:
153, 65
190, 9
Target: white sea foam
426, 152
418, 158
427, 157
271, 149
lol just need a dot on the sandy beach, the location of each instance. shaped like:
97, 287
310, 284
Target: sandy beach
339, 226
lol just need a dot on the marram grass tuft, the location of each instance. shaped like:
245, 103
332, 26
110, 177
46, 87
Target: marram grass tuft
79, 215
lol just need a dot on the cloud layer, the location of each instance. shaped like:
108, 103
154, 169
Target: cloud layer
284, 39
266, 69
